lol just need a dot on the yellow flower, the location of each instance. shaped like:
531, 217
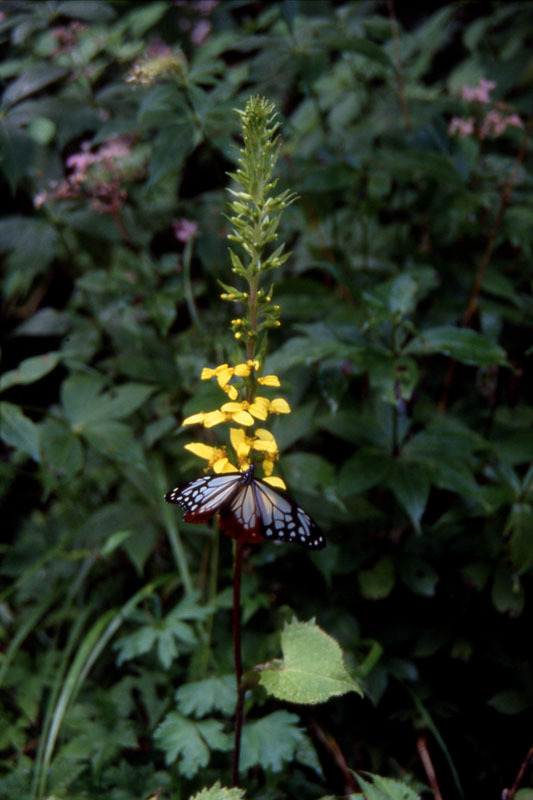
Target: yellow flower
265, 443
237, 413
241, 444
223, 374
207, 419
231, 391
279, 406
269, 380
216, 456
278, 483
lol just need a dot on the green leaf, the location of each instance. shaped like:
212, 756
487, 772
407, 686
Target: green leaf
30, 370
32, 80
17, 154
520, 523
378, 788
462, 344
418, 576
19, 431
212, 694
189, 742
61, 449
410, 483
271, 741
511, 701
507, 592
85, 406
377, 582
115, 440
218, 792
171, 147
312, 669
362, 471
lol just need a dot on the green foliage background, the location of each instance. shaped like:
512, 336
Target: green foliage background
411, 436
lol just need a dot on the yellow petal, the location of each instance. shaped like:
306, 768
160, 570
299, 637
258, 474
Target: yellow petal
220, 465
242, 370
213, 418
236, 436
265, 447
278, 483
195, 419
269, 380
231, 391
230, 468
243, 418
280, 406
201, 450
231, 408
262, 433
224, 376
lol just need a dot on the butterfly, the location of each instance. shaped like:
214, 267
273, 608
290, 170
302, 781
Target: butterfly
249, 510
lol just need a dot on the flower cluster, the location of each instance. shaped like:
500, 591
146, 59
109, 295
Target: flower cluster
495, 121
245, 409
96, 173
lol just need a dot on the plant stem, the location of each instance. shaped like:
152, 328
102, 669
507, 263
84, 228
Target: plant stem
237, 571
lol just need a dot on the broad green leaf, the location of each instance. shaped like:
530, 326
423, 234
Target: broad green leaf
212, 694
410, 483
511, 701
378, 581
379, 788
115, 440
61, 449
462, 344
30, 370
85, 405
362, 471
189, 743
218, 792
32, 80
312, 669
271, 741
18, 431
46, 322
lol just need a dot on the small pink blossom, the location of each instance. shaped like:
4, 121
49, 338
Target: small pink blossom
184, 229
495, 124
40, 199
478, 93
462, 127
200, 32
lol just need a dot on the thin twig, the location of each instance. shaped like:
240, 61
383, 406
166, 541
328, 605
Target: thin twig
425, 758
399, 66
237, 657
472, 305
508, 794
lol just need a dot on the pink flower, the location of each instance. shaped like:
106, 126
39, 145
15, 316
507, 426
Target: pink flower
478, 93
200, 32
184, 229
463, 127
495, 124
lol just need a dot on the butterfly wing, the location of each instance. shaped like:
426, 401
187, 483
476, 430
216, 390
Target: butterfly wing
203, 497
239, 517
281, 519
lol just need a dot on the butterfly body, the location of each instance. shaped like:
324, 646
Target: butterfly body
249, 509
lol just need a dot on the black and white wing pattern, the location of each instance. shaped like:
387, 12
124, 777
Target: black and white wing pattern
249, 509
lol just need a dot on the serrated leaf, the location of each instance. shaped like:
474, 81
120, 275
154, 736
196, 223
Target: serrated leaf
30, 370
271, 741
218, 792
212, 694
19, 431
188, 742
379, 788
462, 344
312, 669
